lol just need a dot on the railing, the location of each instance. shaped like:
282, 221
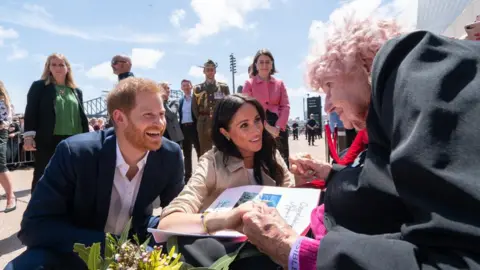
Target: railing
16, 156
97, 107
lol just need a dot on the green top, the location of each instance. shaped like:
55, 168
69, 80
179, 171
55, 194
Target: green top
67, 113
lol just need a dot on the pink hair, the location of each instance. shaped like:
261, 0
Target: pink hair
350, 48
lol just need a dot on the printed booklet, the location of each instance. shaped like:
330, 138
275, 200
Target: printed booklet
295, 205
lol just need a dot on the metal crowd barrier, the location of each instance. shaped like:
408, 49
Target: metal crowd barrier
16, 156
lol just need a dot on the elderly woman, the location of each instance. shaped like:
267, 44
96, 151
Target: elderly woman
414, 203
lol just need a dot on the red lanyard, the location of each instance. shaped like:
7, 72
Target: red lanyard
332, 142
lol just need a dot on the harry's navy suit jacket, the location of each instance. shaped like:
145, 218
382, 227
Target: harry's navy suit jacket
71, 201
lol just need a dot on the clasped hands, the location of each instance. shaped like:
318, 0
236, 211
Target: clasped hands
263, 225
305, 168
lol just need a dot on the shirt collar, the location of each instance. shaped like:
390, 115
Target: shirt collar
189, 97
232, 163
257, 79
207, 81
122, 165
125, 75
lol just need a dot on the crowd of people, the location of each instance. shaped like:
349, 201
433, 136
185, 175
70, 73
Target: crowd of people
406, 198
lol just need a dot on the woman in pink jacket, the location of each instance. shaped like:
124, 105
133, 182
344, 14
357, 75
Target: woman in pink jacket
272, 94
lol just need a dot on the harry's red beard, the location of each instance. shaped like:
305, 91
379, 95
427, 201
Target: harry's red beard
141, 139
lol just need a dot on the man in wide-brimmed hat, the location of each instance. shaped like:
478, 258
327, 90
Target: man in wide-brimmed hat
206, 95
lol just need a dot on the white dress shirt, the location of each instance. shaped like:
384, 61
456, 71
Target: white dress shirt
124, 194
187, 110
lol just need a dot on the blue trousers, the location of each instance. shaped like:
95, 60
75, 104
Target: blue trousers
48, 259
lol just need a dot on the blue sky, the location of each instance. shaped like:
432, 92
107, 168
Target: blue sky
166, 39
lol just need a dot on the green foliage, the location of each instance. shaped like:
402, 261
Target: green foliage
123, 254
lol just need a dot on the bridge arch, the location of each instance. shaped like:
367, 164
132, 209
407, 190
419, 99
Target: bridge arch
97, 107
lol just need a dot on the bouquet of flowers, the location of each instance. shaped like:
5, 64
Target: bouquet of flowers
122, 254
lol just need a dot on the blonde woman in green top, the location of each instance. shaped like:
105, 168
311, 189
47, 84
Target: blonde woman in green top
54, 112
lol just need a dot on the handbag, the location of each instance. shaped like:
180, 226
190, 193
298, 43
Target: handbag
246, 256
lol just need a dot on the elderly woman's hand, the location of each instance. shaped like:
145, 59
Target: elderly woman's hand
269, 232
305, 168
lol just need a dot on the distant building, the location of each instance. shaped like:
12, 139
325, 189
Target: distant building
446, 17
464, 17
314, 106
335, 121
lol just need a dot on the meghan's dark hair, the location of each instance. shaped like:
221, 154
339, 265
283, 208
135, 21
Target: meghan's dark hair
255, 59
265, 159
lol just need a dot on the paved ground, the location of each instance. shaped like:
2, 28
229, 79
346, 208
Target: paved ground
10, 247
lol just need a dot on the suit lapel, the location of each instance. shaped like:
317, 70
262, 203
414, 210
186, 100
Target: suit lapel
106, 173
180, 108
168, 111
75, 92
52, 93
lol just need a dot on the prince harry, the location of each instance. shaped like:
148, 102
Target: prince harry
96, 181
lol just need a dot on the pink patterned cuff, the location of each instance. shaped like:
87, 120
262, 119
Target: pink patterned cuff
303, 255
308, 254
316, 222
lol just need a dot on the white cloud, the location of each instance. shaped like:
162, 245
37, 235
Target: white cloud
37, 17
40, 59
240, 78
217, 15
130, 37
247, 61
316, 30
404, 10
37, 9
102, 71
302, 92
146, 58
176, 17
142, 58
77, 68
17, 53
7, 34
197, 72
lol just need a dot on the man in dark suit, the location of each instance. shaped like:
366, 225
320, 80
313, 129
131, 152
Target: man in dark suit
173, 131
96, 181
188, 124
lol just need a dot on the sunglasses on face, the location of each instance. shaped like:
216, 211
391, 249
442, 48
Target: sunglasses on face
267, 62
114, 62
